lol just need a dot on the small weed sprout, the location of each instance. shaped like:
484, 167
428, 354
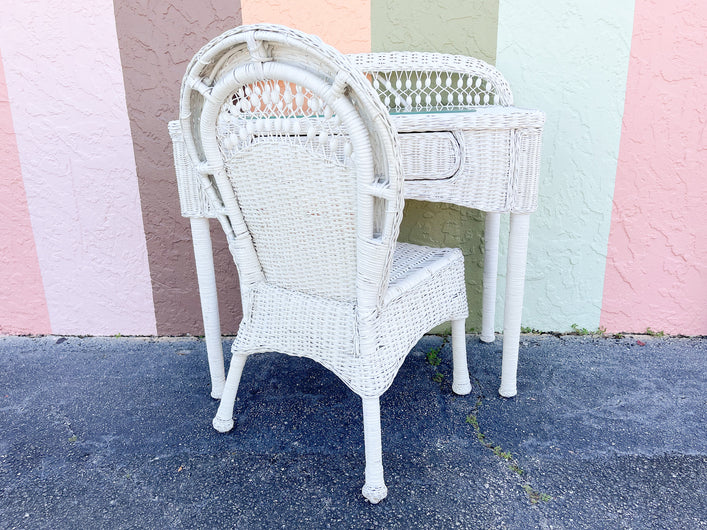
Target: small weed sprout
584, 331
433, 356
536, 496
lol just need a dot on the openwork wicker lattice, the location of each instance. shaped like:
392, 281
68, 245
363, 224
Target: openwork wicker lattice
295, 154
487, 152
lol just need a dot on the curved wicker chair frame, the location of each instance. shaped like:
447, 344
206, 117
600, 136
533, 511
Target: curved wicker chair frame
301, 166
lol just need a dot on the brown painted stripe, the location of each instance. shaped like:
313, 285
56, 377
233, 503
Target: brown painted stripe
157, 40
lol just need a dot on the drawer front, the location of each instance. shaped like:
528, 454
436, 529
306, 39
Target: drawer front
430, 155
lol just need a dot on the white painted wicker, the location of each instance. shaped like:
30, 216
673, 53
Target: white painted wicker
497, 163
461, 142
296, 157
499, 157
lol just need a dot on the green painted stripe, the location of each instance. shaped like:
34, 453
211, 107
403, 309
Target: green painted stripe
456, 26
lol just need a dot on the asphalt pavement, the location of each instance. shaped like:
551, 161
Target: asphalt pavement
115, 432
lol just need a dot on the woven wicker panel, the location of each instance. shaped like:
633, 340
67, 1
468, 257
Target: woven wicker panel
427, 288
420, 81
304, 231
526, 169
487, 168
430, 156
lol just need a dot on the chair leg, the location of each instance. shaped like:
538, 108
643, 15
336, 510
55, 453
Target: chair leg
374, 489
460, 383
223, 422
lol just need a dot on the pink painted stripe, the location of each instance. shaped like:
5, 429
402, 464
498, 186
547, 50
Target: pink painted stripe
68, 103
23, 308
343, 24
656, 274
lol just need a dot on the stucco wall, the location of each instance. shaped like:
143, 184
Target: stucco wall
23, 307
156, 43
92, 241
66, 93
656, 272
570, 59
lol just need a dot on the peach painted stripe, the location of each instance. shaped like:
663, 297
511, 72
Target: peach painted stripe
23, 308
344, 24
656, 274
68, 103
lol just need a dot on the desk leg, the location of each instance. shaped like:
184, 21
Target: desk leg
488, 303
515, 283
203, 255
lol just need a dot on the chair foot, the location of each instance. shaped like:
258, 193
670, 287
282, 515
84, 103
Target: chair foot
374, 485
222, 425
461, 389
216, 394
374, 494
461, 383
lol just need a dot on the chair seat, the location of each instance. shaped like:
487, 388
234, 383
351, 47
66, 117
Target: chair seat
412, 264
426, 289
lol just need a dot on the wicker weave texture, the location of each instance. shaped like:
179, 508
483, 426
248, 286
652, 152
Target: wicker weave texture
298, 160
498, 159
193, 200
477, 150
422, 81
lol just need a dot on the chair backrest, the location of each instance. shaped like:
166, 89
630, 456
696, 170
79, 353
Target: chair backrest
424, 81
293, 144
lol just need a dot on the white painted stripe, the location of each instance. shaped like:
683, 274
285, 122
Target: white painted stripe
65, 83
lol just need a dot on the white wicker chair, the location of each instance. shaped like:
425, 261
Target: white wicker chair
301, 166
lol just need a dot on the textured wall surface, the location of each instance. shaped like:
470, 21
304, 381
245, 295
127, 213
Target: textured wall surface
463, 27
157, 40
453, 26
23, 307
570, 59
92, 241
68, 106
656, 273
343, 24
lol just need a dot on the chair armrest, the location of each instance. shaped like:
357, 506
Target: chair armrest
192, 198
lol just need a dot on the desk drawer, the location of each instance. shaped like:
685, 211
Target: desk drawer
430, 155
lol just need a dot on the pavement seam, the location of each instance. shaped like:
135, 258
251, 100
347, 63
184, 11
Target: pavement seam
535, 496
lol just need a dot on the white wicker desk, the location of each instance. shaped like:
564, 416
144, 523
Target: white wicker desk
485, 158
